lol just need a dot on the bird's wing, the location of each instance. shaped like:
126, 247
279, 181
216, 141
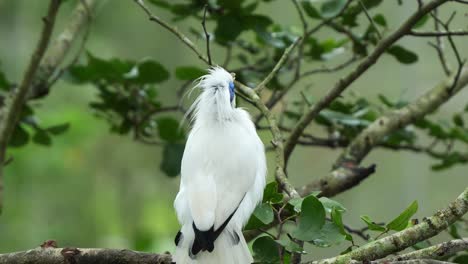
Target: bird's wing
198, 184
218, 169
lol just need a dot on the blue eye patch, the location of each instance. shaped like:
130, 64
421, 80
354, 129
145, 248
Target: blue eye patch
231, 91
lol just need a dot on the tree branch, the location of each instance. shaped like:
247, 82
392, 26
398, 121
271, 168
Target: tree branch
428, 228
83, 256
207, 36
439, 251
362, 68
346, 174
60, 48
11, 110
438, 33
374, 133
439, 46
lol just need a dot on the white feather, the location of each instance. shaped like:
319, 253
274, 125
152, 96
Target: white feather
223, 168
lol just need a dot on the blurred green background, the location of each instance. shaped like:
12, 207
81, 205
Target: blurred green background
93, 188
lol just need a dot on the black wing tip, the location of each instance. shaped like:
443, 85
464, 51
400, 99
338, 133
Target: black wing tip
204, 240
177, 238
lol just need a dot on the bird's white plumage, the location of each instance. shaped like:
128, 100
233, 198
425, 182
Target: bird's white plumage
223, 168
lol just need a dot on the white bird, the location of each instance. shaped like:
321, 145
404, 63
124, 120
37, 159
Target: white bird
223, 176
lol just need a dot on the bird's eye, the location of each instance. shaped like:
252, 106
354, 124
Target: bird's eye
231, 85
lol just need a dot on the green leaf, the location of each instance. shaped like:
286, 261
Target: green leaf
290, 246
380, 20
329, 235
41, 137
172, 158
265, 250
371, 224
453, 231
111, 70
402, 55
421, 245
229, 28
449, 160
461, 259
341, 118
264, 213
310, 10
296, 203
329, 204
148, 71
311, 219
161, 3
271, 194
229, 4
460, 134
4, 83
58, 129
421, 21
400, 222
254, 223
331, 8
19, 138
337, 219
458, 120
188, 73
256, 22
169, 129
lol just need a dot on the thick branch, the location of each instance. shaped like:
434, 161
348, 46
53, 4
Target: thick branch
14, 102
346, 173
439, 251
428, 228
394, 120
355, 74
60, 48
83, 256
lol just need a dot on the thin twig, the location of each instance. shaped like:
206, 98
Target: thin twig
277, 67
305, 26
176, 32
207, 36
460, 61
366, 12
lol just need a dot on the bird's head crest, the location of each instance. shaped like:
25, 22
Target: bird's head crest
218, 80
216, 101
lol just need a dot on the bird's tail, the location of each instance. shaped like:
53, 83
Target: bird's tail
229, 248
